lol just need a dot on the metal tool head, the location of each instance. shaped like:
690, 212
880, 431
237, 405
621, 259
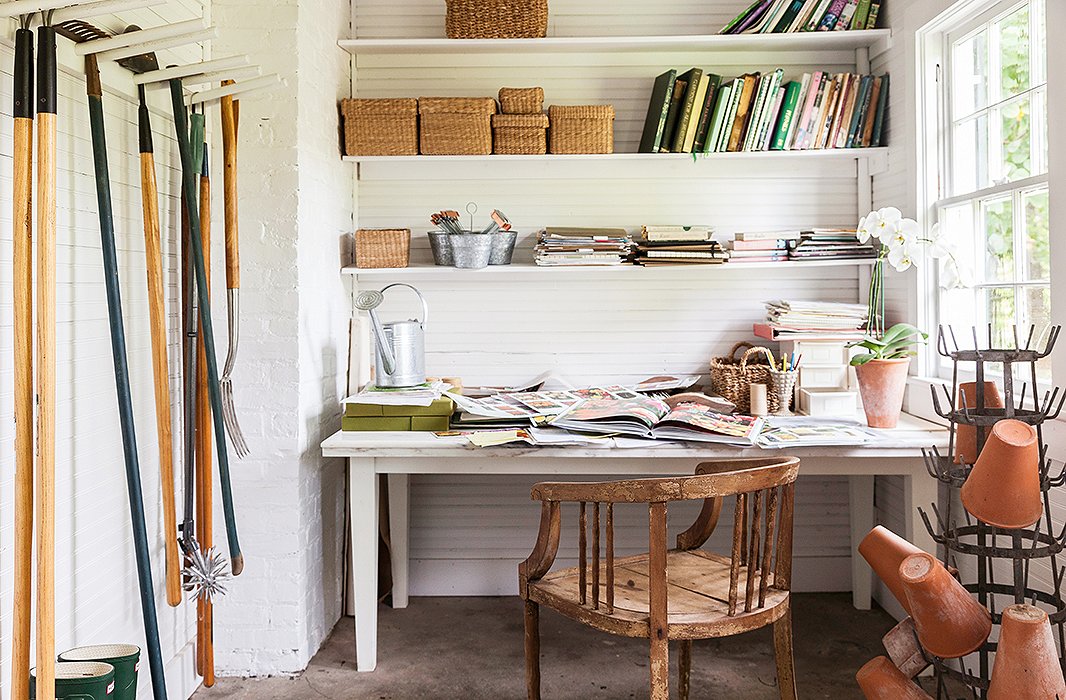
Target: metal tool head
141, 63
368, 299
205, 575
79, 31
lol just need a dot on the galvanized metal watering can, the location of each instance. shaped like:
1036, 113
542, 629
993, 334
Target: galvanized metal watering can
400, 352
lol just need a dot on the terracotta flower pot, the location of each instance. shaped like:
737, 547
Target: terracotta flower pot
1027, 662
879, 679
966, 435
884, 551
950, 622
1003, 488
881, 385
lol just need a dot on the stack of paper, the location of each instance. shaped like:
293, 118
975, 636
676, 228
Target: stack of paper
422, 395
816, 315
822, 244
583, 246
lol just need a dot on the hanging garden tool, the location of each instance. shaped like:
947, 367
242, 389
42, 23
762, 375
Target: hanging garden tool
157, 318
83, 32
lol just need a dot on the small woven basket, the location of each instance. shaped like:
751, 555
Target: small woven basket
456, 126
582, 129
382, 247
520, 134
496, 19
731, 378
522, 100
380, 127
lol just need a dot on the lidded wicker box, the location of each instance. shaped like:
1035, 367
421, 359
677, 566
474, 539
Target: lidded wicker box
522, 100
496, 19
520, 134
582, 129
456, 126
380, 127
382, 247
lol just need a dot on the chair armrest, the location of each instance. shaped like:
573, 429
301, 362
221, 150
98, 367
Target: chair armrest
543, 555
704, 525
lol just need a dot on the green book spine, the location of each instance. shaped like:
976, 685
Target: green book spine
721, 103
788, 17
856, 113
862, 109
658, 109
862, 13
788, 113
871, 20
671, 118
741, 17
713, 81
692, 80
882, 105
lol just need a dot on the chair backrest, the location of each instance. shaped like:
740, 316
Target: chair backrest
762, 527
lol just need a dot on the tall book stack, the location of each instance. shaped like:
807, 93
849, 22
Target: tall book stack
700, 112
678, 245
830, 243
564, 246
788, 16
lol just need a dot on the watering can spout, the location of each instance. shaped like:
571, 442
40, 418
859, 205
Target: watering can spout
388, 359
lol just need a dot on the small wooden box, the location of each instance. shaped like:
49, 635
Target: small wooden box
456, 126
380, 127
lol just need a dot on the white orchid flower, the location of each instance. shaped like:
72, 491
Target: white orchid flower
869, 227
901, 258
904, 233
861, 231
886, 223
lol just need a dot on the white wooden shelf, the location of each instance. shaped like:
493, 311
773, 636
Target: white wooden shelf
427, 271
874, 39
642, 158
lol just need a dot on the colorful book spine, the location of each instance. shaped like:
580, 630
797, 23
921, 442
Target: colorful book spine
808, 107
671, 118
816, 16
788, 113
856, 113
844, 22
770, 124
875, 9
704, 125
691, 79
862, 13
721, 104
788, 16
832, 15
882, 105
805, 87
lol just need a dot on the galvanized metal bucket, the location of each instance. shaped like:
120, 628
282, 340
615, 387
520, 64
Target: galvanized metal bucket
441, 247
502, 247
471, 250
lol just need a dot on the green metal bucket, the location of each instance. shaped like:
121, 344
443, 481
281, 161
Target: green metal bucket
126, 658
84, 680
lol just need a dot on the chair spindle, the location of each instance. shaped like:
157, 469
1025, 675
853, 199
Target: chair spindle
596, 555
767, 554
753, 555
739, 511
582, 544
610, 558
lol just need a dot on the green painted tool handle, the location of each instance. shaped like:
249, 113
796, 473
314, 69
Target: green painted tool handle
122, 380
190, 177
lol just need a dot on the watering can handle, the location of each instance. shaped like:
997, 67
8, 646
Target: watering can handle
425, 308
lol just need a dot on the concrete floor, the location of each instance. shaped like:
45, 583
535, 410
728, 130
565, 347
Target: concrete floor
471, 649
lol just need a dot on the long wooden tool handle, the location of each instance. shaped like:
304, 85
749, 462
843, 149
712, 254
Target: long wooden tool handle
204, 519
229, 189
157, 319
22, 288
46, 359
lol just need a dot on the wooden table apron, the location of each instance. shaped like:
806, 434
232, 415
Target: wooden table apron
369, 457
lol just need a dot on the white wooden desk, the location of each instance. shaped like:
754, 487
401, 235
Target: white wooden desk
400, 454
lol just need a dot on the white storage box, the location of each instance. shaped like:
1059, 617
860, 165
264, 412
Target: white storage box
827, 402
823, 377
817, 352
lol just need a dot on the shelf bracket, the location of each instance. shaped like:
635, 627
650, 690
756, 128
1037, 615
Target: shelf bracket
881, 46
877, 163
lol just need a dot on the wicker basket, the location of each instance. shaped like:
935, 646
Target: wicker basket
730, 378
382, 247
380, 127
522, 100
520, 134
456, 126
584, 129
496, 19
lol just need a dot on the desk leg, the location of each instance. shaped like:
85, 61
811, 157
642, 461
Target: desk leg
399, 501
861, 514
363, 501
920, 491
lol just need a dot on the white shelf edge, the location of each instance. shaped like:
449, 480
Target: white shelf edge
826, 154
800, 41
425, 270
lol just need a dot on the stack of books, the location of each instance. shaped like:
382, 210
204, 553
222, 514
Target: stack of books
784, 16
761, 246
559, 247
678, 245
699, 112
825, 318
830, 243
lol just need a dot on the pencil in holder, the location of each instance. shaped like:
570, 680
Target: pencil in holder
783, 385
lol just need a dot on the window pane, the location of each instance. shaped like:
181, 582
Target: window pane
1037, 312
969, 156
957, 227
1014, 68
998, 217
1039, 43
1015, 155
999, 311
1037, 253
969, 75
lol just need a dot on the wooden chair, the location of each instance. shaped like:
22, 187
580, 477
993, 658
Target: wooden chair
684, 593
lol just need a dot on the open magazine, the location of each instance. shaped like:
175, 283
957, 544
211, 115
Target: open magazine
649, 417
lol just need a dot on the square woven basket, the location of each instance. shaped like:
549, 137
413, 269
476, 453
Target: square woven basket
456, 126
380, 127
382, 247
522, 100
582, 129
496, 19
520, 134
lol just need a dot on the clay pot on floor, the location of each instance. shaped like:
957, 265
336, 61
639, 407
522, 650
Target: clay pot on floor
1003, 488
950, 622
966, 435
1027, 662
879, 679
884, 551
881, 385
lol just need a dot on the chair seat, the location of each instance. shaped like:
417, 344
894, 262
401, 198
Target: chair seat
697, 594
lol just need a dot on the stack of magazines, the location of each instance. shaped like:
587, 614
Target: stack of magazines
816, 315
830, 243
678, 245
558, 246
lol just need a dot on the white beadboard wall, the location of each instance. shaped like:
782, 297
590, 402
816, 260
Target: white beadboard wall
590, 326
97, 598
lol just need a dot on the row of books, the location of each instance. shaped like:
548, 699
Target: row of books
698, 112
566, 246
788, 16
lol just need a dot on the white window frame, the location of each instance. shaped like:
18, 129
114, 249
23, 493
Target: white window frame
934, 143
